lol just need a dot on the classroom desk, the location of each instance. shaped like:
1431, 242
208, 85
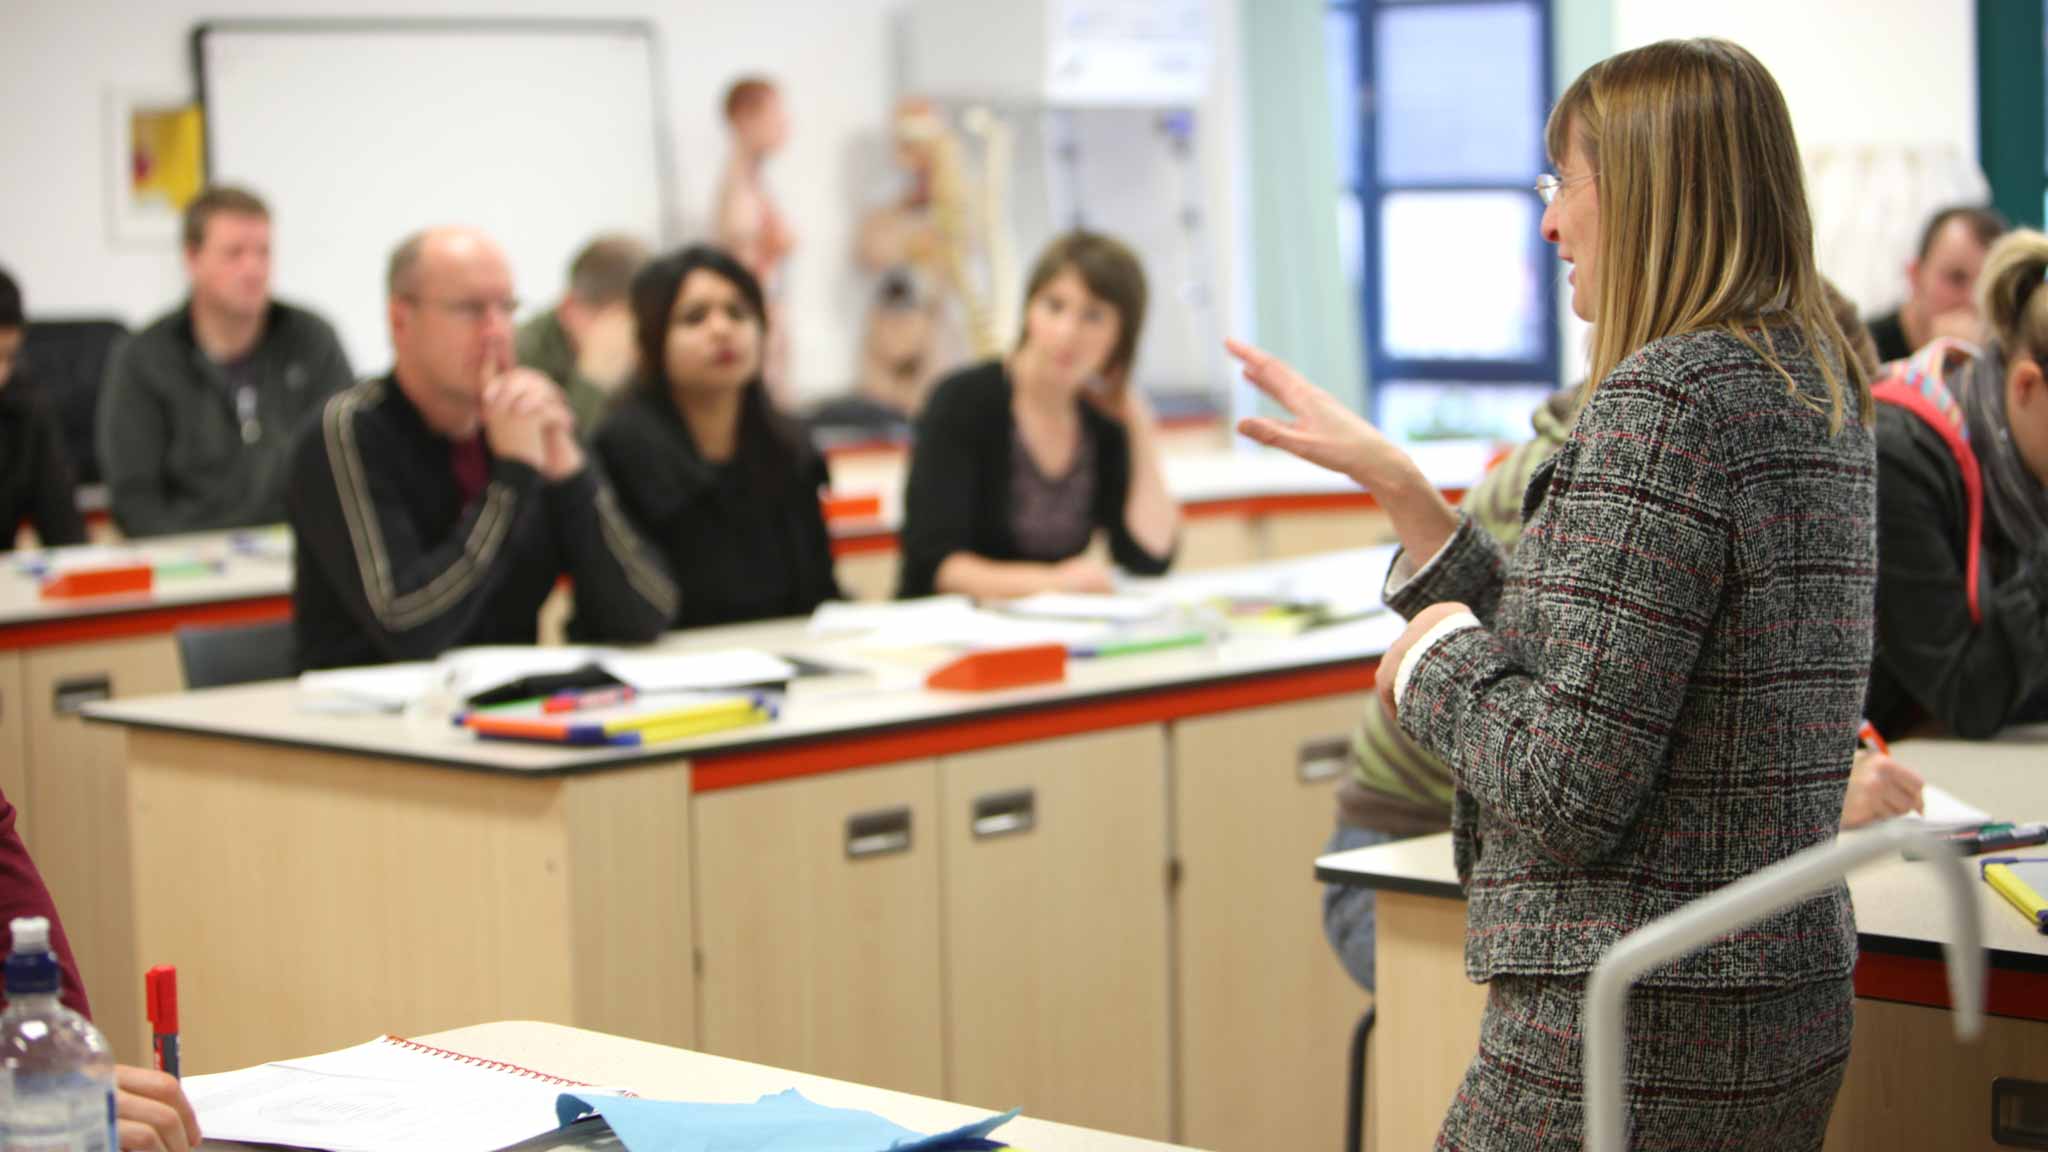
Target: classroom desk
1073, 897
65, 780
658, 1072
1910, 1084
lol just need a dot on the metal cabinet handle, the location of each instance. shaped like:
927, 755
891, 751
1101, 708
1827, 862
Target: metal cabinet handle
1324, 759
1005, 813
70, 696
883, 832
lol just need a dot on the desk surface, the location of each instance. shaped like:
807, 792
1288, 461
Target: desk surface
658, 1072
223, 568
275, 712
2007, 777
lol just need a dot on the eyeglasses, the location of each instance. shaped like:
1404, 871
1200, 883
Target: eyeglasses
470, 311
1550, 186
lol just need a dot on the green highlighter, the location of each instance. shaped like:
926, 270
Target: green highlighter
1138, 645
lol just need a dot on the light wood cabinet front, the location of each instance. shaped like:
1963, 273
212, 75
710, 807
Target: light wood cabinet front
13, 733
1266, 1009
75, 812
1057, 975
868, 576
1286, 535
1912, 1085
818, 919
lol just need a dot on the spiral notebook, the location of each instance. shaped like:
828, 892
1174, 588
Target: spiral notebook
388, 1095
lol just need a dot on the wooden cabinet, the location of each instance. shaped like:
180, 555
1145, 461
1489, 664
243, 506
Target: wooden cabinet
1286, 535
1911, 1084
1056, 945
1266, 1010
13, 732
868, 575
75, 812
818, 920
1215, 542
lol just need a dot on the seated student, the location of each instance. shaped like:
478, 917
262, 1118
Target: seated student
437, 506
1018, 461
150, 1106
199, 409
1962, 450
36, 481
718, 480
585, 342
1941, 283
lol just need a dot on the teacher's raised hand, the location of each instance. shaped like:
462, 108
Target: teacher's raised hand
1323, 430
1326, 433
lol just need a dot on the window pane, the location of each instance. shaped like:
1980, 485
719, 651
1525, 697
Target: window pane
1437, 410
1340, 68
1458, 278
1351, 241
1459, 92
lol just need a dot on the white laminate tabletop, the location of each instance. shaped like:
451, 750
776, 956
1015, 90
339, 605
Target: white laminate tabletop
657, 1072
278, 712
206, 568
1895, 899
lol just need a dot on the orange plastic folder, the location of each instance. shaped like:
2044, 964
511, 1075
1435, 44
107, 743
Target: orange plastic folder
994, 668
112, 581
646, 720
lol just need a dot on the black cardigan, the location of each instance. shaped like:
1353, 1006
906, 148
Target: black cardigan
36, 482
958, 494
746, 540
1930, 661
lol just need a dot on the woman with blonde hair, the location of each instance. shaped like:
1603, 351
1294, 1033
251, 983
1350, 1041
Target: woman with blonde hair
1661, 694
1962, 451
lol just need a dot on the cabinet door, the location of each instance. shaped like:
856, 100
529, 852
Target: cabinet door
1911, 1084
1266, 1011
1057, 968
1307, 533
818, 920
76, 812
13, 732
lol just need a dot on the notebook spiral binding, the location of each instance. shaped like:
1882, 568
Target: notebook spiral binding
480, 1062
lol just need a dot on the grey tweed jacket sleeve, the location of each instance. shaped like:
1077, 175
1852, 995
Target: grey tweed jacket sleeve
1664, 694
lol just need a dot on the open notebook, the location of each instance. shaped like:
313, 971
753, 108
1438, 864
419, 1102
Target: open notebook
389, 1095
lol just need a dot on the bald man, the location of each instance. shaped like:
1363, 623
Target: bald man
436, 507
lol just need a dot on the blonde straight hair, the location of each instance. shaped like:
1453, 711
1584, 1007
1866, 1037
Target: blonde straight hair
1703, 217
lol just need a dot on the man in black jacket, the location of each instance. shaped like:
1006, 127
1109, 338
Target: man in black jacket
437, 506
199, 409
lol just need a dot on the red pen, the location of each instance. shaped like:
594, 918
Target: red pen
1871, 736
581, 701
161, 988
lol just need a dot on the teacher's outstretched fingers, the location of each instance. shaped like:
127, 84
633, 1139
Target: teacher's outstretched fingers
1323, 432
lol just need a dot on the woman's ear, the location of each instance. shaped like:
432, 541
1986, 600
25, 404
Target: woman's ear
2024, 387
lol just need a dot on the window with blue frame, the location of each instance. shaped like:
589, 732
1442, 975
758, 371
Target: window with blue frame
1439, 109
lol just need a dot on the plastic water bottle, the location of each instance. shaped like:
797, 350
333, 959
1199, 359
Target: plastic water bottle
56, 1071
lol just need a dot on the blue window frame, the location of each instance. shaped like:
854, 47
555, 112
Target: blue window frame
1440, 107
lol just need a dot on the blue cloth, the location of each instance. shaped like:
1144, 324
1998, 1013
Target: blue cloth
784, 1121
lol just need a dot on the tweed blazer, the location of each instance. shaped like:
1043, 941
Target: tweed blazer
1664, 694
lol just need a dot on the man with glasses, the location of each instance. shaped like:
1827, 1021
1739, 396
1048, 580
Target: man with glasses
198, 409
437, 506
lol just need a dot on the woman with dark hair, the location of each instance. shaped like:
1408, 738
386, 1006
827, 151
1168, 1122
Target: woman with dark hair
703, 464
1019, 461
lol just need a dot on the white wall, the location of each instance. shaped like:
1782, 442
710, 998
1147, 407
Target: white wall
1854, 72
59, 59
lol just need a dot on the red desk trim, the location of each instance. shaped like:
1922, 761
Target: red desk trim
714, 771
1924, 981
141, 622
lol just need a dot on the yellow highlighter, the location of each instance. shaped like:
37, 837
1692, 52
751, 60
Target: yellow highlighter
2014, 878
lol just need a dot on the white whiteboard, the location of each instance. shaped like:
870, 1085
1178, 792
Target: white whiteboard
542, 134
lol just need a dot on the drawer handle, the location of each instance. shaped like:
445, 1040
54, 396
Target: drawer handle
884, 832
1005, 813
71, 696
1324, 759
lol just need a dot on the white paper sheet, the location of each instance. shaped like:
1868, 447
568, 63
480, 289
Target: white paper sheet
687, 671
376, 1097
